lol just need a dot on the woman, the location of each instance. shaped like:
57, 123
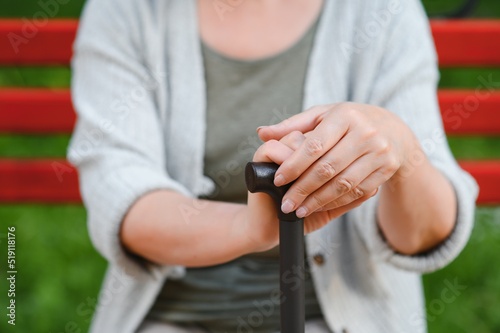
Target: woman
169, 95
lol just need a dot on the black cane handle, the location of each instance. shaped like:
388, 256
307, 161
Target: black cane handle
260, 178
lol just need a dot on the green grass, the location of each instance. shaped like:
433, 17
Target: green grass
30, 9
48, 77
33, 145
470, 78
472, 147
486, 8
59, 271
476, 309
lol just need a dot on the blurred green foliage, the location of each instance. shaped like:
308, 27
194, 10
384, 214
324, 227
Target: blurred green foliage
59, 272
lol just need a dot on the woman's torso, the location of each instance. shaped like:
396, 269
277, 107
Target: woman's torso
241, 95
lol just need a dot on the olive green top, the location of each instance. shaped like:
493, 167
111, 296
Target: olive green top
241, 95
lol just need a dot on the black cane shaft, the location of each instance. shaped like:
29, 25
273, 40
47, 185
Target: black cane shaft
292, 272
259, 178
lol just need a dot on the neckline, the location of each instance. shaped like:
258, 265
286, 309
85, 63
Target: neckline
310, 30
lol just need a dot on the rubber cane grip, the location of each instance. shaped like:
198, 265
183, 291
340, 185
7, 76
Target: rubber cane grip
259, 177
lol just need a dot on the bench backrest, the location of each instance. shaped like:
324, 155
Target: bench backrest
459, 43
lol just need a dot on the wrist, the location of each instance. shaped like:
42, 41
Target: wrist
252, 234
413, 159
244, 231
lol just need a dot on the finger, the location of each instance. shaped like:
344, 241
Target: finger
272, 151
324, 169
318, 219
326, 135
345, 183
341, 202
344, 209
302, 122
293, 140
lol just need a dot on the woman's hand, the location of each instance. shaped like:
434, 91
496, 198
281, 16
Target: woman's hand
286, 145
346, 152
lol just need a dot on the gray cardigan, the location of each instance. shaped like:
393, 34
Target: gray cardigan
138, 88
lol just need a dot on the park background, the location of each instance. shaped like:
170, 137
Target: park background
59, 272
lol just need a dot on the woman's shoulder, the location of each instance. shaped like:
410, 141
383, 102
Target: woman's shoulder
143, 12
123, 21
373, 12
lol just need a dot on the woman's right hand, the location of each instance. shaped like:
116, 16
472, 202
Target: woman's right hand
259, 215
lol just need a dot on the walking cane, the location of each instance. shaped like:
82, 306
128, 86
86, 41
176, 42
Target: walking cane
259, 177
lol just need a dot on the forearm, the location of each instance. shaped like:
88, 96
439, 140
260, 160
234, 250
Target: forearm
417, 208
169, 228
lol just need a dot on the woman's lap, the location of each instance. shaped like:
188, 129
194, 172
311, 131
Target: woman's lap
312, 326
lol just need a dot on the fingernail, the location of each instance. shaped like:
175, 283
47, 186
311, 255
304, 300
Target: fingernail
301, 212
259, 128
279, 180
287, 206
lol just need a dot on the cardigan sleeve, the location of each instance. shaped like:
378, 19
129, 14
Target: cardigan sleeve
406, 85
117, 145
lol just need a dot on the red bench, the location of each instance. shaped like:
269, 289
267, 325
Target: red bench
460, 43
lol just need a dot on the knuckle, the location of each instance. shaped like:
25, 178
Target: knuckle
297, 135
370, 133
357, 193
343, 185
351, 110
317, 202
266, 146
392, 164
313, 147
343, 200
301, 191
294, 139
383, 146
325, 170
290, 172
264, 150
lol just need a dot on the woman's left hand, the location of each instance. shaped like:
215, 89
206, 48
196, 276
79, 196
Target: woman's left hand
343, 152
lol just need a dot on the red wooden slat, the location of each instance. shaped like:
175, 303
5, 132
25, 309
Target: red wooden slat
31, 42
47, 181
459, 42
475, 112
487, 175
55, 181
28, 111
467, 42
36, 111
